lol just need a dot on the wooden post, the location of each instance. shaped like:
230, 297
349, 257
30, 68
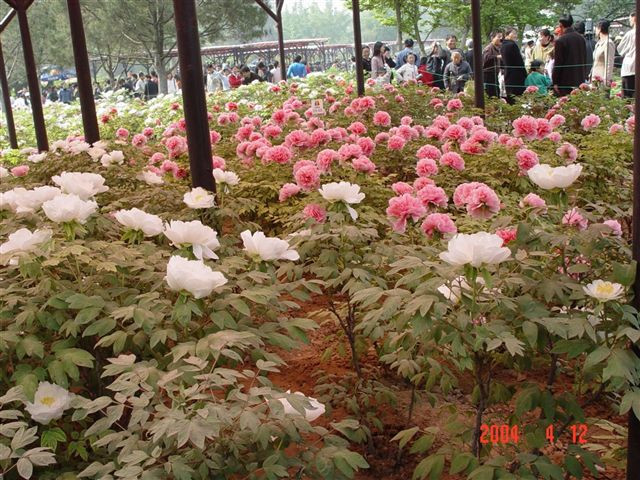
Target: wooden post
6, 100
357, 37
83, 73
33, 81
193, 94
283, 68
478, 77
633, 438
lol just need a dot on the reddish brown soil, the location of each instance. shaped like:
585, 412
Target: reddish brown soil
305, 362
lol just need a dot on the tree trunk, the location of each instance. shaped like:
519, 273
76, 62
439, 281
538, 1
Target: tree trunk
397, 6
416, 30
162, 75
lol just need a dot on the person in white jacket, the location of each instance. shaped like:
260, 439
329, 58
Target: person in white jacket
627, 49
409, 70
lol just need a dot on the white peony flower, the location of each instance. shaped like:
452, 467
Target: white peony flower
95, 153
267, 248
317, 409
9, 199
37, 157
28, 151
60, 145
100, 144
49, 403
84, 185
68, 208
24, 240
117, 156
4, 173
222, 176
199, 198
548, 177
203, 239
150, 177
137, 219
78, 146
346, 192
604, 291
192, 276
31, 200
475, 249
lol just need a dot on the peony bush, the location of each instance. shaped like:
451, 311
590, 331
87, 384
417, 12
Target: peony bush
449, 259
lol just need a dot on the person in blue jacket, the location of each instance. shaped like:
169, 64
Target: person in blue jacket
297, 68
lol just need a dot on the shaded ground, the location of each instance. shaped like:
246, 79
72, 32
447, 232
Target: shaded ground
305, 363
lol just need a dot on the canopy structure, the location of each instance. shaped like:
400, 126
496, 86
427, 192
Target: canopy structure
190, 57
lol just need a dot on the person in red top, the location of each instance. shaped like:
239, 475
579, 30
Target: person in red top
235, 79
426, 78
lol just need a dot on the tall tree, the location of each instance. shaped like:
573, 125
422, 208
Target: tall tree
149, 27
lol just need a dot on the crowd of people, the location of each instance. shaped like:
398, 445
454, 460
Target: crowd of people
556, 62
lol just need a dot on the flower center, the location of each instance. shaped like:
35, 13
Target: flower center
605, 289
48, 401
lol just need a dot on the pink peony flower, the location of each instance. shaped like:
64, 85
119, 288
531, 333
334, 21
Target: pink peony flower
525, 126
630, 124
433, 133
169, 166
453, 160
614, 225
148, 132
454, 104
421, 182
466, 123
428, 151
315, 211
288, 190
20, 170
382, 137
574, 218
218, 162
406, 120
557, 120
381, 119
544, 128
472, 147
534, 201
214, 137
363, 164
301, 163
139, 140
402, 208
400, 188
555, 137
349, 150
615, 128
122, 133
271, 131
531, 89
157, 157
307, 177
278, 154
367, 145
436, 103
568, 152
432, 197
396, 142
590, 122
438, 223
325, 158
176, 146
527, 159
507, 235
441, 122
455, 132
462, 193
297, 138
358, 128
483, 202
426, 167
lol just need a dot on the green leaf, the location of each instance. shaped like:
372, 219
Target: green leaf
422, 444
548, 470
76, 356
25, 468
79, 301
530, 331
624, 273
404, 436
431, 466
573, 466
50, 438
460, 463
100, 328
483, 473
631, 400
240, 306
597, 356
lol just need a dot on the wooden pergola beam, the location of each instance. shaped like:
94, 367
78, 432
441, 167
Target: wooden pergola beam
277, 17
6, 100
33, 81
478, 80
4, 23
357, 40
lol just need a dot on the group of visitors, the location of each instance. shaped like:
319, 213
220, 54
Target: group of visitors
558, 62
445, 67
